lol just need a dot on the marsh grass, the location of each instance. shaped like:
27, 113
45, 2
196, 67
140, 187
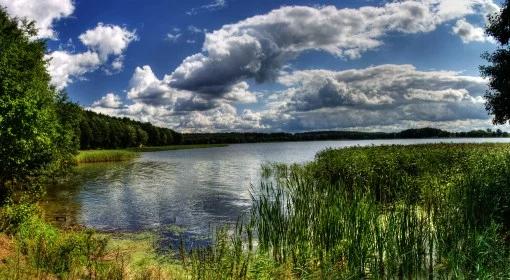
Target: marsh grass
422, 211
392, 212
94, 156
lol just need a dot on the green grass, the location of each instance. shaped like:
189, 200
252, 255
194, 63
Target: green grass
175, 147
93, 156
42, 251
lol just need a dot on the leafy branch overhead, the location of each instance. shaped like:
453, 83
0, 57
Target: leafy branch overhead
498, 70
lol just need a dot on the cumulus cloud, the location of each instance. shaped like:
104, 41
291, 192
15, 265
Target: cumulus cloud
146, 88
380, 95
222, 118
201, 94
107, 39
44, 12
389, 97
469, 33
110, 100
105, 43
64, 66
257, 47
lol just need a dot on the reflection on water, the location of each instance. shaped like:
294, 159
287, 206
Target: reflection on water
192, 190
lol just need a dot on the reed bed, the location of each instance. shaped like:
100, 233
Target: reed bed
391, 212
94, 156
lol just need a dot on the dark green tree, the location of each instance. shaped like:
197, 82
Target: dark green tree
498, 70
30, 139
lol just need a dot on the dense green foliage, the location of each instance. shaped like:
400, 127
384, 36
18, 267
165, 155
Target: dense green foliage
33, 139
247, 137
106, 132
498, 97
391, 212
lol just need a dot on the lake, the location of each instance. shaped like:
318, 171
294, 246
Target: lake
185, 192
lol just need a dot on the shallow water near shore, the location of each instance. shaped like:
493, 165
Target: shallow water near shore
182, 194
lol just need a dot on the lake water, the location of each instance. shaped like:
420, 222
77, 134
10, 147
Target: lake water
189, 190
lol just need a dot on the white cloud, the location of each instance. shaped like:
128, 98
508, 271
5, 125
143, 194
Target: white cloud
223, 118
107, 39
257, 47
194, 29
470, 33
145, 87
110, 100
375, 96
173, 37
105, 43
241, 93
64, 66
202, 92
390, 97
213, 6
44, 12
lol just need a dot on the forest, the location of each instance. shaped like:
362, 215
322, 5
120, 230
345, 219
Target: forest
102, 131
237, 137
99, 131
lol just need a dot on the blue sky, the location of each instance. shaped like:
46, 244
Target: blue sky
270, 65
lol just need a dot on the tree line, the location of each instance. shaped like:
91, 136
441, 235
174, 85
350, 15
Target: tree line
240, 137
102, 131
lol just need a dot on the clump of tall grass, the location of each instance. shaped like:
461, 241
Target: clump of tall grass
390, 212
93, 156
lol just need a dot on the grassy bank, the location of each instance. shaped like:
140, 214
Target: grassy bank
92, 156
30, 248
175, 147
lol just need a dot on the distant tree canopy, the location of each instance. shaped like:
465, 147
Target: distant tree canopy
107, 132
33, 140
498, 72
240, 137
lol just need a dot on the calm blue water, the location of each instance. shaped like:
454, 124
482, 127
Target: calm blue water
192, 190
